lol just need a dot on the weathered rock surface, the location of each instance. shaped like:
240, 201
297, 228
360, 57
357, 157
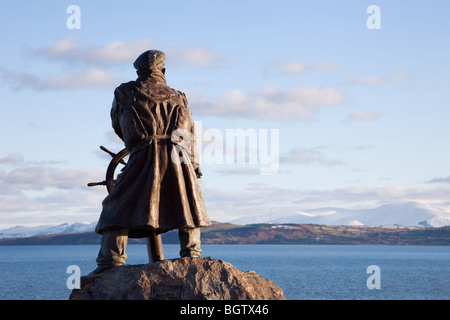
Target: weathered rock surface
177, 279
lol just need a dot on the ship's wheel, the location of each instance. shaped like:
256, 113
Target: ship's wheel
154, 244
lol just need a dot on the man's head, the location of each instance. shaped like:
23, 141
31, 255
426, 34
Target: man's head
150, 60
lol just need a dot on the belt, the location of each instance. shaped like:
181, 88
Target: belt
148, 141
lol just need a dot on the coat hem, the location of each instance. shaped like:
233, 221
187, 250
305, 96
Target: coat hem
147, 231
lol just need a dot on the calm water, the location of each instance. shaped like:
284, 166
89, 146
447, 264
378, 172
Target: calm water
302, 271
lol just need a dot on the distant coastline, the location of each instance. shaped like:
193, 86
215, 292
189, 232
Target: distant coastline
226, 233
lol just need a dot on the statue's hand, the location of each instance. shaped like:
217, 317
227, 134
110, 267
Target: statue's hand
198, 172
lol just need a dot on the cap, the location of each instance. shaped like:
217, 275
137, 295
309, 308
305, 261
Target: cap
151, 59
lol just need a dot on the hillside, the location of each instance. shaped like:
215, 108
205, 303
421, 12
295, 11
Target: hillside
225, 233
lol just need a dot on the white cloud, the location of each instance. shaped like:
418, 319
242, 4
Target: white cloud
363, 116
34, 178
294, 67
42, 194
22, 208
200, 57
227, 205
18, 79
95, 59
401, 75
298, 103
418, 85
440, 180
380, 80
15, 158
90, 78
308, 155
40, 177
87, 79
70, 49
239, 171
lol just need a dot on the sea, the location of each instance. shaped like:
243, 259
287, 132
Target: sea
303, 272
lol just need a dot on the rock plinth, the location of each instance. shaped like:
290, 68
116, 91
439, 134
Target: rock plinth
177, 279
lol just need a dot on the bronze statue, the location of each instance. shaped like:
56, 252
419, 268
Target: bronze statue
157, 191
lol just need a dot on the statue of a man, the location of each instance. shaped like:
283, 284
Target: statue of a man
157, 190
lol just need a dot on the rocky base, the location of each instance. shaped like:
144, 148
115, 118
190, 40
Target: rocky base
177, 279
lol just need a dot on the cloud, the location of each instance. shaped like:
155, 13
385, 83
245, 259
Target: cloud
298, 103
308, 155
87, 79
15, 158
90, 78
363, 116
380, 80
95, 60
294, 67
41, 177
21, 208
418, 85
37, 176
440, 180
200, 57
239, 171
227, 205
42, 193
70, 49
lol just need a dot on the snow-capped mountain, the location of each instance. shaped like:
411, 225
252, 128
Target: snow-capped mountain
23, 232
406, 214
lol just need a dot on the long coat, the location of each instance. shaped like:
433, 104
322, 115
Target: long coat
158, 188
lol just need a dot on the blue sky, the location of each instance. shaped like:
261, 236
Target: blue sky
362, 115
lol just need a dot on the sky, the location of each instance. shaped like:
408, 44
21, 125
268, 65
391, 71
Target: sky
331, 104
